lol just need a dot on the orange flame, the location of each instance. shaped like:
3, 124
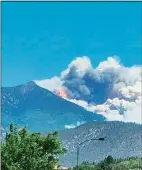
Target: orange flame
62, 93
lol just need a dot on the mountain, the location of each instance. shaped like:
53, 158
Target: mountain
40, 109
122, 140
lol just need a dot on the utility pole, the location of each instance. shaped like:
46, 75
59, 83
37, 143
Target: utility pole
78, 144
77, 155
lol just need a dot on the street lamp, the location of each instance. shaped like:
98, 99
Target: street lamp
78, 144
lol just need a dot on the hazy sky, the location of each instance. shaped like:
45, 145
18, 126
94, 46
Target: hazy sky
39, 39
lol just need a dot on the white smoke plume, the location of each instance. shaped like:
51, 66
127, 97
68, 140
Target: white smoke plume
71, 126
50, 84
110, 89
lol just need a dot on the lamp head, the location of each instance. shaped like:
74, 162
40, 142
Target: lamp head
101, 139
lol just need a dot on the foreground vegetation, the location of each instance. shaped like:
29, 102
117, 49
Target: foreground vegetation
112, 164
22, 150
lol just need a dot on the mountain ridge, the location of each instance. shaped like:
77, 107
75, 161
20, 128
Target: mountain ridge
29, 102
122, 140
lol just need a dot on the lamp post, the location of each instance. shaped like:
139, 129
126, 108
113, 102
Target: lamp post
78, 144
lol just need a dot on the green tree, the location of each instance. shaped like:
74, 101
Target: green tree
106, 164
22, 150
109, 160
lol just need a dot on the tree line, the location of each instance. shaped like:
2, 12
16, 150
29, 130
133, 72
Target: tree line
109, 163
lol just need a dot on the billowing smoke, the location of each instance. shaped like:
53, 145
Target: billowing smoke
110, 89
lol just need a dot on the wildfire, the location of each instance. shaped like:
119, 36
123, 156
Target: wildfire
62, 93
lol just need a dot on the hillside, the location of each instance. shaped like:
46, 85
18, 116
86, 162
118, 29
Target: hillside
40, 109
122, 140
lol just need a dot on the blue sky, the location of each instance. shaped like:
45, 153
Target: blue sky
39, 39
